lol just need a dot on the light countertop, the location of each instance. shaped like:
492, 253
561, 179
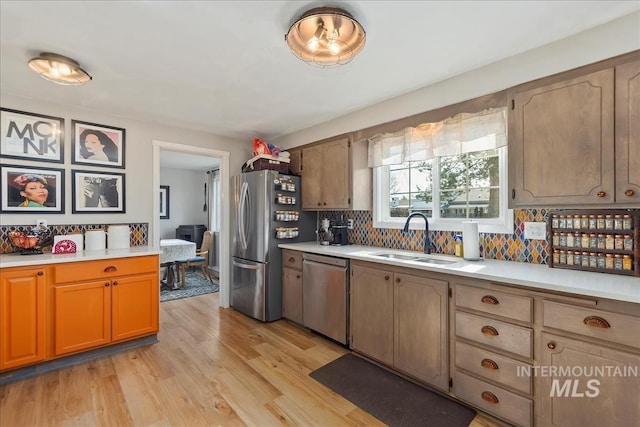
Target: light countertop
16, 260
534, 276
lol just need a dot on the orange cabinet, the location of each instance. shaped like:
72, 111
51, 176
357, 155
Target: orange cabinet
102, 307
22, 316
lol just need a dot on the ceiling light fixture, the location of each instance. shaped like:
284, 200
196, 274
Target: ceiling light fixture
326, 37
59, 69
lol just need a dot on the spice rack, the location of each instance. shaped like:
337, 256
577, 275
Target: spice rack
605, 241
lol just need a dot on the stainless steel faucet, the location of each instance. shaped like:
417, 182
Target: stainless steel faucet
427, 240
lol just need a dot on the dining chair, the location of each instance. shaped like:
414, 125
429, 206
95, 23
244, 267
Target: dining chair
200, 260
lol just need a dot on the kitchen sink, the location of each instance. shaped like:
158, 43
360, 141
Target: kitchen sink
426, 259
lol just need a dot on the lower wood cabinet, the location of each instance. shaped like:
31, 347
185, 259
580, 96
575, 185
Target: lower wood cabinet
22, 316
586, 397
292, 286
400, 320
58, 309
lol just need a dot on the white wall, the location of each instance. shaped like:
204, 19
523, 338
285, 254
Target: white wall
186, 199
608, 40
138, 160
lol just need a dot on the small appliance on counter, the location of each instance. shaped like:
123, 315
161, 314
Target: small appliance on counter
324, 233
339, 231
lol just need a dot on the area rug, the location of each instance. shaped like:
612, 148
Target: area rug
388, 397
195, 284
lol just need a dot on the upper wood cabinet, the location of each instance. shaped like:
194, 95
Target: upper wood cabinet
628, 132
295, 161
335, 176
562, 134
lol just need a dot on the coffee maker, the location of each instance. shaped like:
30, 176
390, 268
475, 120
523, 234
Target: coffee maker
324, 233
339, 231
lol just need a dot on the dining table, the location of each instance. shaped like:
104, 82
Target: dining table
174, 250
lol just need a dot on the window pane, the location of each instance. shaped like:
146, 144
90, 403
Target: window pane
399, 205
399, 181
421, 177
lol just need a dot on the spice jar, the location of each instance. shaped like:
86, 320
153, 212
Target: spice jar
562, 221
626, 222
585, 259
554, 221
570, 240
627, 242
563, 239
608, 222
601, 241
585, 240
556, 239
617, 262
593, 260
556, 257
592, 222
600, 222
618, 242
617, 222
563, 257
570, 257
593, 240
608, 242
626, 262
608, 261
601, 260
576, 221
584, 221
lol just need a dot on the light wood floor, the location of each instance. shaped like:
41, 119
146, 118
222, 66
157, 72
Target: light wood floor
212, 367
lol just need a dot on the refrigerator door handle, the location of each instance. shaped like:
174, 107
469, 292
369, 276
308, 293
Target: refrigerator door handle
241, 217
246, 266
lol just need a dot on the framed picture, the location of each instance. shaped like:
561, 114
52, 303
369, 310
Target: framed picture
97, 192
164, 202
31, 136
29, 189
97, 145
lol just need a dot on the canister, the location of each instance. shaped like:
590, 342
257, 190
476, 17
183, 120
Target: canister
94, 240
118, 236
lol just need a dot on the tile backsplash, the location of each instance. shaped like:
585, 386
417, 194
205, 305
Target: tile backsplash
508, 247
139, 233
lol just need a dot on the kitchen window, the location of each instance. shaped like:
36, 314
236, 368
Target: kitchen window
451, 171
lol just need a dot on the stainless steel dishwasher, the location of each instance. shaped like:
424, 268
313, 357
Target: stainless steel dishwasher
325, 292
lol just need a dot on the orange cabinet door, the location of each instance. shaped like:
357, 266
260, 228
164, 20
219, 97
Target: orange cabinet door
82, 316
134, 306
22, 317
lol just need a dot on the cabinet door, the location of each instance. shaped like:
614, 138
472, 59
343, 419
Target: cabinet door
312, 177
628, 132
372, 313
22, 317
82, 316
295, 161
572, 401
292, 294
336, 178
420, 328
561, 142
134, 306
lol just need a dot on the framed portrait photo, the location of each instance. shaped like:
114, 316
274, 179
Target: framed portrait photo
164, 202
31, 136
97, 192
30, 189
97, 145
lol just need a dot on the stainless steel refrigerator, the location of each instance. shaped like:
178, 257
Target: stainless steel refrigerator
267, 211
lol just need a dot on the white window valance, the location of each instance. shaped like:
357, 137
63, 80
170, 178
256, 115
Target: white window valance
463, 133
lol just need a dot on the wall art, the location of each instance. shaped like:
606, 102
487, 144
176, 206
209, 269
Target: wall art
164, 202
97, 192
31, 136
30, 189
97, 145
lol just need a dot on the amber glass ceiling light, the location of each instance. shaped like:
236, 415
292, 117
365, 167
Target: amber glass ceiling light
59, 69
326, 37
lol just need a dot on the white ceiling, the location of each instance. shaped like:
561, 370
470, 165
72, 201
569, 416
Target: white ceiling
224, 67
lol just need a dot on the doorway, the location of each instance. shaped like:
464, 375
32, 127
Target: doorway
221, 159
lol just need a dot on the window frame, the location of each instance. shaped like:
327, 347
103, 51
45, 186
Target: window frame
503, 224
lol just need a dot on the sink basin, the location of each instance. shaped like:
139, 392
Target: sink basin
426, 259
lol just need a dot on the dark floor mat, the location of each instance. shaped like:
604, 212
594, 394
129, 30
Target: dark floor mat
388, 397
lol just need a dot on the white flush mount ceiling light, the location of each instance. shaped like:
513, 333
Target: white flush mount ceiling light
326, 37
59, 69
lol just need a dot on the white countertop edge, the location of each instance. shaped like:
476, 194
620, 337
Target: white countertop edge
17, 260
534, 276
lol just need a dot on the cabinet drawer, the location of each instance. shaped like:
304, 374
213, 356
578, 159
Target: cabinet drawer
494, 400
495, 333
495, 302
614, 327
104, 269
292, 259
493, 366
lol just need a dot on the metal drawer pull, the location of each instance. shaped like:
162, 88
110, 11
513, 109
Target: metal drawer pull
490, 397
292, 259
110, 269
386, 277
489, 364
489, 330
551, 345
596, 322
115, 283
629, 193
107, 284
489, 299
601, 194
397, 280
40, 273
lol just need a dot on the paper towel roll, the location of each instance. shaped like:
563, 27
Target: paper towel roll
471, 240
